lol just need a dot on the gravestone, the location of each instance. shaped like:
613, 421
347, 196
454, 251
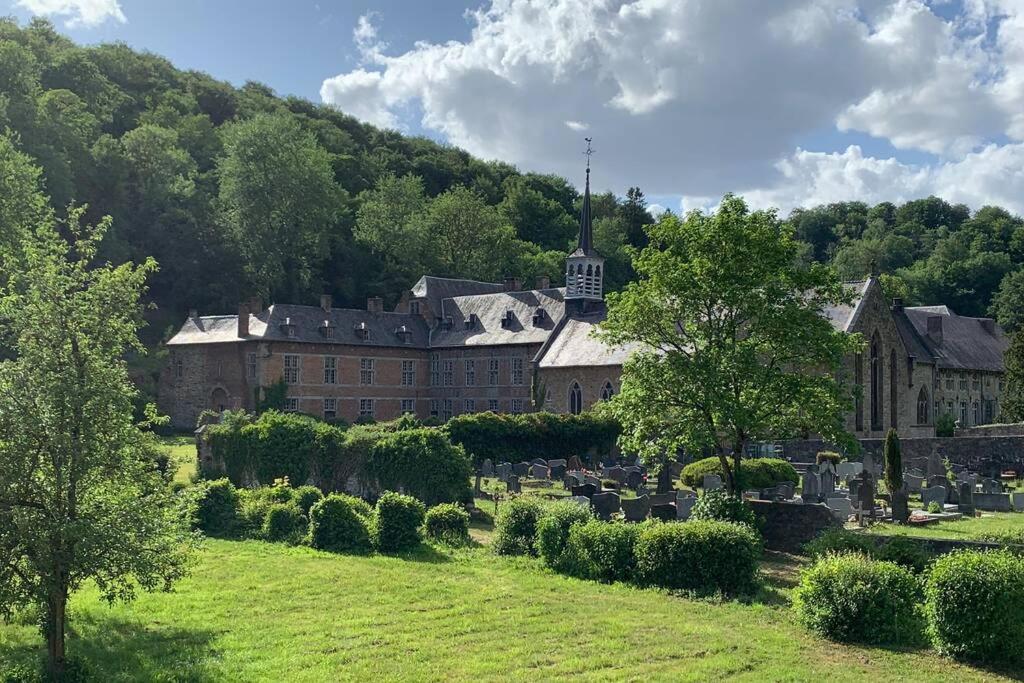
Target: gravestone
574, 463
900, 506
811, 491
933, 494
512, 485
935, 465
840, 507
662, 498
991, 486
827, 477
937, 480
586, 490
503, 471
666, 512
854, 487
993, 502
866, 494
785, 489
636, 509
684, 506
751, 495
557, 468
914, 483
1018, 501
839, 494
487, 468
605, 504
539, 471
616, 473
592, 480
868, 463
521, 469
712, 482
634, 479
580, 500
539, 461
966, 503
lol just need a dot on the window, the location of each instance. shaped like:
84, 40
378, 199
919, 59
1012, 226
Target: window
975, 383
922, 407
963, 381
977, 413
435, 408
414, 307
447, 414
517, 405
250, 365
949, 383
470, 372
330, 408
963, 413
291, 369
607, 392
328, 332
408, 373
291, 405
448, 372
408, 406
290, 330
517, 371
575, 399
470, 406
179, 368
858, 399
493, 406
366, 371
366, 407
876, 383
492, 372
990, 411
330, 370
435, 370
219, 369
894, 391
988, 381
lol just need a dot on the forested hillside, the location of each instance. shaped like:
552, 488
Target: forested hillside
237, 191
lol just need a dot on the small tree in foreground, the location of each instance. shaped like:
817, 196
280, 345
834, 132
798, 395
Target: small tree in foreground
733, 341
80, 494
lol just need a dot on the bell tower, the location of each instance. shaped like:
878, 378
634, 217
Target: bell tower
584, 277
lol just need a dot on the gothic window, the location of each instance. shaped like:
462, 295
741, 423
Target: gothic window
597, 271
858, 401
922, 407
876, 383
590, 270
894, 391
575, 399
607, 392
579, 269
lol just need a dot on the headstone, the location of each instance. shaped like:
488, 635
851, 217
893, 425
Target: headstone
487, 468
866, 494
539, 471
917, 472
935, 465
574, 463
662, 498
868, 463
585, 490
634, 479
684, 506
712, 482
966, 503
840, 507
557, 468
933, 494
811, 490
900, 506
914, 484
751, 495
827, 478
592, 480
616, 473
539, 461
521, 469
839, 494
1018, 501
666, 512
636, 509
854, 487
605, 504
503, 471
937, 480
580, 500
993, 502
991, 486
512, 485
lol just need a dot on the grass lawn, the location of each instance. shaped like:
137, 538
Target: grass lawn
253, 611
183, 456
968, 529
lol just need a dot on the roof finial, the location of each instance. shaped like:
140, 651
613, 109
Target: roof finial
588, 153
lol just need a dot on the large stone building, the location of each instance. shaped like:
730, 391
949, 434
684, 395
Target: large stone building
459, 346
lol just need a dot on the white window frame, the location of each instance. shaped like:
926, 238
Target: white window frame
330, 408
291, 404
494, 405
292, 368
470, 405
366, 371
408, 405
330, 369
408, 373
366, 407
517, 406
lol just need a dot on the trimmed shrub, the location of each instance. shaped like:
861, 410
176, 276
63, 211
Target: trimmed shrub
447, 523
945, 425
515, 530
422, 462
703, 556
306, 497
828, 456
553, 529
601, 551
852, 598
284, 522
905, 552
719, 505
217, 509
337, 525
361, 507
755, 473
253, 507
396, 522
901, 550
839, 541
975, 606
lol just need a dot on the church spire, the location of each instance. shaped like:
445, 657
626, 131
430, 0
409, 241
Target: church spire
586, 243
583, 278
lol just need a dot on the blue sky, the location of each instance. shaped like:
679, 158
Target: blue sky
792, 102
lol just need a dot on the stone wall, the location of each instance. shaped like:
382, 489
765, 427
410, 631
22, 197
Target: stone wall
1011, 429
788, 526
592, 380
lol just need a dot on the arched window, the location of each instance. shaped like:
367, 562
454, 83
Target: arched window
579, 269
575, 399
894, 391
590, 269
858, 401
876, 383
597, 271
923, 405
607, 392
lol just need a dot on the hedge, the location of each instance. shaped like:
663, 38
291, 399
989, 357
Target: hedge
755, 473
447, 523
553, 530
703, 556
601, 551
719, 505
515, 529
901, 550
423, 463
396, 522
337, 525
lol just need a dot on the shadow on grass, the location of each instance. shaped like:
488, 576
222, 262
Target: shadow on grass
116, 649
422, 553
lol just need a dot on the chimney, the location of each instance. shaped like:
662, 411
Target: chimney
543, 282
375, 304
897, 304
988, 324
243, 320
513, 284
325, 302
935, 327
255, 305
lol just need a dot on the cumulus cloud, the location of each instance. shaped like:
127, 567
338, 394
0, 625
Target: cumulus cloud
87, 13
698, 98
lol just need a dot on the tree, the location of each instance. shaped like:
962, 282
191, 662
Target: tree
469, 237
81, 497
636, 216
732, 343
22, 205
1013, 399
1008, 302
390, 222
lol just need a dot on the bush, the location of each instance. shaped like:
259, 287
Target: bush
396, 522
934, 507
253, 507
901, 550
839, 541
945, 425
284, 522
553, 530
905, 552
704, 556
422, 462
217, 509
447, 523
755, 473
306, 497
852, 598
828, 456
515, 530
975, 606
337, 525
601, 551
525, 436
719, 505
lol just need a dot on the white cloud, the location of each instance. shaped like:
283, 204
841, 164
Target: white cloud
87, 13
699, 98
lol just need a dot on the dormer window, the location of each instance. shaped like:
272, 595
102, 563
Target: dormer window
508, 319
539, 316
414, 307
404, 333
287, 328
327, 330
362, 332
447, 322
471, 321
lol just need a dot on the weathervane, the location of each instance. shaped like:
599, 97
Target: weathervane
588, 152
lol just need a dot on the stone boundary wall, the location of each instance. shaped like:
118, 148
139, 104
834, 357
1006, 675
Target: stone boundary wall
986, 455
787, 526
1009, 429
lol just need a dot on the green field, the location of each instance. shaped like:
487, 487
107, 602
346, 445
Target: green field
973, 529
183, 456
259, 612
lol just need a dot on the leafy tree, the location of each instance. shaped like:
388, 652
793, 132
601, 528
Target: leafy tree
390, 222
468, 236
636, 217
536, 218
1013, 400
1008, 303
22, 206
81, 497
733, 345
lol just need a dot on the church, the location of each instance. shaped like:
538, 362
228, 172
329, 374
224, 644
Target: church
455, 346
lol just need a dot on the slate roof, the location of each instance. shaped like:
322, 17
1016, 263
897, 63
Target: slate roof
489, 310
437, 289
843, 316
965, 343
575, 346
307, 321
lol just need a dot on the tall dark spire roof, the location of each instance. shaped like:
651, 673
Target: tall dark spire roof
586, 241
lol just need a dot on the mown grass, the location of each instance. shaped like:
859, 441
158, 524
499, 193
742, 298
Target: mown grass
999, 524
253, 611
182, 450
